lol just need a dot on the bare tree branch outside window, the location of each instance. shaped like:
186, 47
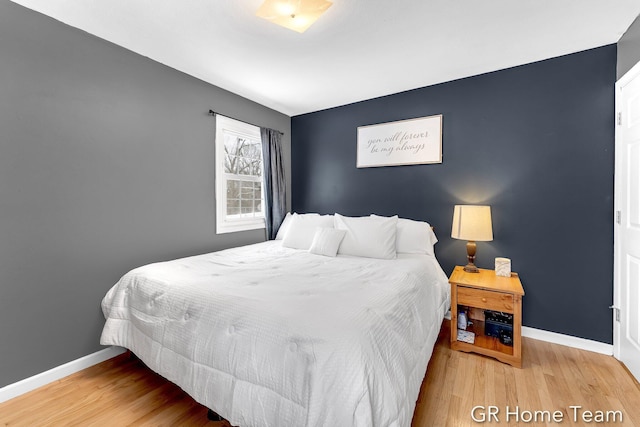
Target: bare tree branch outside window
243, 173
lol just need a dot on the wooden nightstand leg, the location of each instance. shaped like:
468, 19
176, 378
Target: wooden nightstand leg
517, 329
454, 315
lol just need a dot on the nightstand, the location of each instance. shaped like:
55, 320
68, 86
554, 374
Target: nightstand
493, 306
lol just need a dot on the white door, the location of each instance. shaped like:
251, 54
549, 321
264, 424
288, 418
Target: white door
626, 338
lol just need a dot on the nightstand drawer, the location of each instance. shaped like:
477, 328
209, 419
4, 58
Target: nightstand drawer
489, 300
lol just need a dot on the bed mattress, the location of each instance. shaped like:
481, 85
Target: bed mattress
271, 336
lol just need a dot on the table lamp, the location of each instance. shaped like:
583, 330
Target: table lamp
472, 223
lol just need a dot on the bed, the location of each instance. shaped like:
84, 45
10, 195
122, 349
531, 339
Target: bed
267, 335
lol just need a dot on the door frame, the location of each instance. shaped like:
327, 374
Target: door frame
633, 73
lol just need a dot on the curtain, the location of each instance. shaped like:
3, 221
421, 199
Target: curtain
275, 193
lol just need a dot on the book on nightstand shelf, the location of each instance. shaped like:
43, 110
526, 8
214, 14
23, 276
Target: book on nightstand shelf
466, 336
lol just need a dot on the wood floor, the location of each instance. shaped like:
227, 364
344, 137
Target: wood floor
122, 392
553, 378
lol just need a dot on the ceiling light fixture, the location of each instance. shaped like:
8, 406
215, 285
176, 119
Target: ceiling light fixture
296, 15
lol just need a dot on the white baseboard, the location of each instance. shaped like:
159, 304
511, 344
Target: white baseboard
568, 340
24, 386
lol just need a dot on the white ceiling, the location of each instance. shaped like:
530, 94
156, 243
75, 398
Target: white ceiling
359, 49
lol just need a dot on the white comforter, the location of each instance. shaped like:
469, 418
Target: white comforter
269, 336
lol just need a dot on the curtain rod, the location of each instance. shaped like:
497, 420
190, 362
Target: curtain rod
213, 113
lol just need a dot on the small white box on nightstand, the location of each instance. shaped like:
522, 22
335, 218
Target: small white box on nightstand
503, 267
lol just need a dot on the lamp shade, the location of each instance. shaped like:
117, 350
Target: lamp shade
472, 222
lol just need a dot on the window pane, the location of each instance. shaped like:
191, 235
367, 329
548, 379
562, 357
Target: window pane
243, 156
249, 149
245, 167
247, 190
247, 206
257, 167
248, 166
233, 189
257, 206
243, 147
231, 152
230, 163
231, 143
233, 206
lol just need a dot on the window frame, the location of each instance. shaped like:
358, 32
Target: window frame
224, 224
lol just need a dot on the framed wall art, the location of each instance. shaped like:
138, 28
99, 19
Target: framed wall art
405, 142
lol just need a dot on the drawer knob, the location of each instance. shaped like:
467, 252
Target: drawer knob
484, 299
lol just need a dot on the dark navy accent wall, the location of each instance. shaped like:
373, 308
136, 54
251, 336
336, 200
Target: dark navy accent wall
535, 142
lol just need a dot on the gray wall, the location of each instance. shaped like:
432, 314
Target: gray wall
106, 163
629, 48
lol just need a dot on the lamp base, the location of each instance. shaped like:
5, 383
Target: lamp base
471, 257
471, 268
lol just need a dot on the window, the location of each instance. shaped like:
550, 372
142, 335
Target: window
239, 201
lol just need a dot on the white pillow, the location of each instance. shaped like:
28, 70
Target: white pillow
414, 237
302, 229
326, 241
282, 231
371, 237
